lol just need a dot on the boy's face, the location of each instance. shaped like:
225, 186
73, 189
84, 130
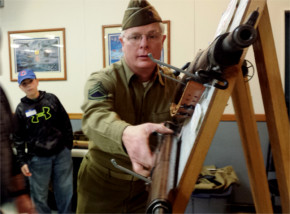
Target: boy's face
29, 87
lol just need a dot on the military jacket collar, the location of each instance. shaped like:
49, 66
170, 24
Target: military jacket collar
130, 74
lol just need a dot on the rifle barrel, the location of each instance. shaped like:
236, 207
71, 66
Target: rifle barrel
242, 37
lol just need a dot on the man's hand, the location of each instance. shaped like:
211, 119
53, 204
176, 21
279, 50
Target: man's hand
25, 170
136, 141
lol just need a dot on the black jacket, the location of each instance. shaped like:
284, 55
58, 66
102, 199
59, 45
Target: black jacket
44, 125
6, 154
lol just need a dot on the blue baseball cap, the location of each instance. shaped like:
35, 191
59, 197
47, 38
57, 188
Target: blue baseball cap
25, 74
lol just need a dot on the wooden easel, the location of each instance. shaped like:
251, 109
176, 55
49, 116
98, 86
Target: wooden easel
276, 117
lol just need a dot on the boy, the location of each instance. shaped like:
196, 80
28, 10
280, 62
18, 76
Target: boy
44, 129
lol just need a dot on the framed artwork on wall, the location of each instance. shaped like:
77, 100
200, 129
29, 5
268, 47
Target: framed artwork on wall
112, 48
43, 51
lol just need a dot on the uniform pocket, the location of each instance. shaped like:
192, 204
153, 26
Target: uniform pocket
160, 117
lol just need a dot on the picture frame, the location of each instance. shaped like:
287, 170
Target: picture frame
43, 51
112, 48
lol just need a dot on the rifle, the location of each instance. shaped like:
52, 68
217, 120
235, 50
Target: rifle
206, 70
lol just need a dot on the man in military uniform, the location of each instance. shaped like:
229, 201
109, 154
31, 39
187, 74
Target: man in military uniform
125, 103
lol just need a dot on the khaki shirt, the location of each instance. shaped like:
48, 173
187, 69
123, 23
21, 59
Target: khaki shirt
115, 99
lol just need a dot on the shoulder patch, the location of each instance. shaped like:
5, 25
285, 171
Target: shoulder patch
98, 92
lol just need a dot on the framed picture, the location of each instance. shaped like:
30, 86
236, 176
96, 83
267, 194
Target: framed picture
112, 47
43, 51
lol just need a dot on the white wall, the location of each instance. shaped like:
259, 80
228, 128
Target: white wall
193, 24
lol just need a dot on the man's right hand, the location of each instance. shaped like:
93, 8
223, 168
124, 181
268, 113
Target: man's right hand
25, 170
136, 141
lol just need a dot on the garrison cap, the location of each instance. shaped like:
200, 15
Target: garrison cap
139, 13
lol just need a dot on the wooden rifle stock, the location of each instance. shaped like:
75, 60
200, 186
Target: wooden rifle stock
163, 177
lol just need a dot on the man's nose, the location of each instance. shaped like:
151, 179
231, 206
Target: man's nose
144, 41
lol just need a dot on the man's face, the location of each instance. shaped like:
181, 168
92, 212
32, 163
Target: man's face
137, 42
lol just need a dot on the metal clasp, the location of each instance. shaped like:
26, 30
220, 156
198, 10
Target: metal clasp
147, 180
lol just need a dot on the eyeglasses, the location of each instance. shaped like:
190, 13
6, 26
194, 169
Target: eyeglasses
136, 38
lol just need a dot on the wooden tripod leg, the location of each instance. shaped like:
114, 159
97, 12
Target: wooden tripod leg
202, 143
251, 144
275, 106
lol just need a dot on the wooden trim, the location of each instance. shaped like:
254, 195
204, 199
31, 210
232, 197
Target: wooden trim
75, 116
167, 22
225, 117
232, 117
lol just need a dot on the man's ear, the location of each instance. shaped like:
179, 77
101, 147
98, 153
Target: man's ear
163, 39
121, 40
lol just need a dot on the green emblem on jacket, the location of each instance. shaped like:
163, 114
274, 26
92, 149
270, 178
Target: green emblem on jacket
45, 113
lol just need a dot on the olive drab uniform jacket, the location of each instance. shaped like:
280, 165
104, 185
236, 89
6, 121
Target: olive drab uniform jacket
115, 99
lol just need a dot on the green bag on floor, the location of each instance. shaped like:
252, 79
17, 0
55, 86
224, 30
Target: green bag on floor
216, 179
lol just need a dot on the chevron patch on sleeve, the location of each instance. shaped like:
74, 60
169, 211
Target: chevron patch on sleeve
98, 92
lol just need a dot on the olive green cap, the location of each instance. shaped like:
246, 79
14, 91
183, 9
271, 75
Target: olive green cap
139, 13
